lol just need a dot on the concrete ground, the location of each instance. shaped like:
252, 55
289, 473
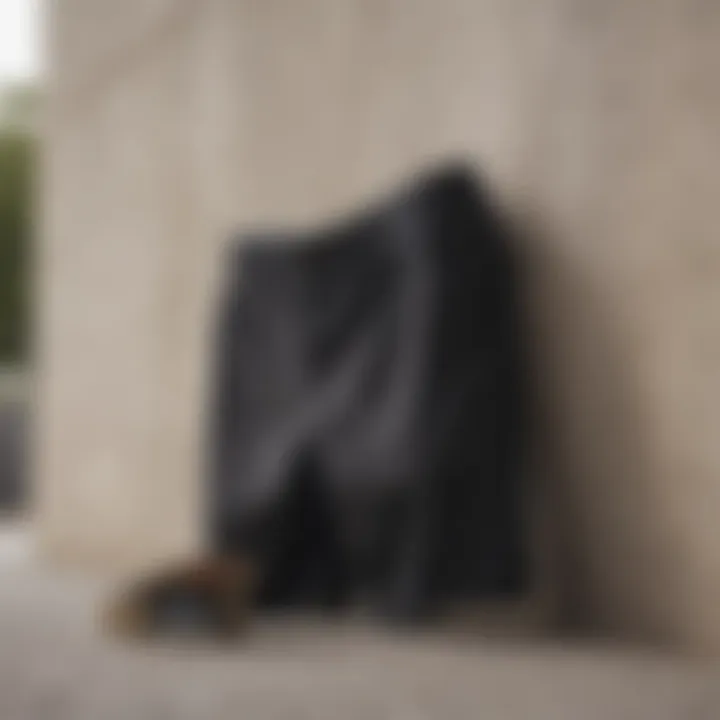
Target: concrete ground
55, 665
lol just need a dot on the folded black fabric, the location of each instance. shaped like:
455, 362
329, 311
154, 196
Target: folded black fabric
366, 427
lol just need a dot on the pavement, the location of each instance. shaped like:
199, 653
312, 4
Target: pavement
56, 664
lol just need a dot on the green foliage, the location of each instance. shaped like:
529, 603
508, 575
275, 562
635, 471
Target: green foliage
17, 164
19, 106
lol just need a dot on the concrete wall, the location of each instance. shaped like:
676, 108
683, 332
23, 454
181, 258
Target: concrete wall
172, 121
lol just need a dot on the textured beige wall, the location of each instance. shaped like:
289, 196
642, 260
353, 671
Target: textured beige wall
172, 121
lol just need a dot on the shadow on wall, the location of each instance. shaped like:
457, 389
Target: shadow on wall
599, 514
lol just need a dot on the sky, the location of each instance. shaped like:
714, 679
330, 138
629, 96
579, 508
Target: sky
19, 41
